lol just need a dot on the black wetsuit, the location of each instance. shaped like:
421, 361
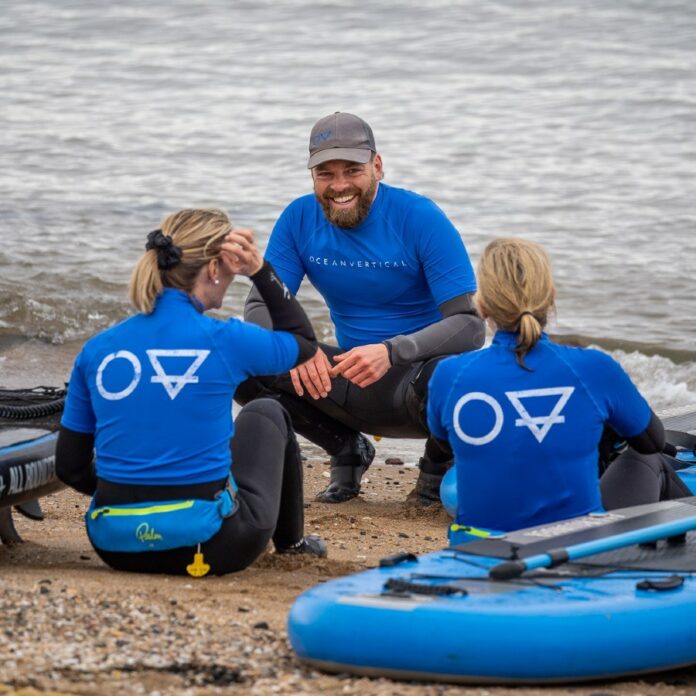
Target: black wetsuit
266, 462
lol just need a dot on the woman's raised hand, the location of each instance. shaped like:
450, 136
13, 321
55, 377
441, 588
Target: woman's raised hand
240, 254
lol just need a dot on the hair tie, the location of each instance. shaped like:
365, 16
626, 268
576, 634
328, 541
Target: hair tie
531, 314
168, 253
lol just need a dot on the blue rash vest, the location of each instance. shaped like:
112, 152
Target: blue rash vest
525, 443
384, 278
156, 390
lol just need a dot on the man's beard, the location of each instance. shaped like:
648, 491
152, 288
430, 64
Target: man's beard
349, 217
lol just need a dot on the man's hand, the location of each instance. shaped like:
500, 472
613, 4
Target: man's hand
314, 375
363, 365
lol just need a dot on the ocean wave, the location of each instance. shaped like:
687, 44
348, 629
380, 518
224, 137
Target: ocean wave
662, 382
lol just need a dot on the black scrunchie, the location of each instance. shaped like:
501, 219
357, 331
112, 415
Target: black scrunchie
168, 253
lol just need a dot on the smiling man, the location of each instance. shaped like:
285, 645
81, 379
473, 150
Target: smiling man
398, 283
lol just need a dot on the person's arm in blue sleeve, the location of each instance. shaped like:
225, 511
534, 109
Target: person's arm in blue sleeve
437, 392
285, 312
630, 414
451, 279
282, 253
75, 445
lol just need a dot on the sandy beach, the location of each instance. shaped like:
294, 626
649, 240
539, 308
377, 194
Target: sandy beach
70, 625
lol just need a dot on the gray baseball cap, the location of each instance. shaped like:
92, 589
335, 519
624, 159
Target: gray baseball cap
340, 136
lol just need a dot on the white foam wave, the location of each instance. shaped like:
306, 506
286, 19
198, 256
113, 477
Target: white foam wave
663, 383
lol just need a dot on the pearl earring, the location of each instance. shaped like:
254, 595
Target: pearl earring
216, 281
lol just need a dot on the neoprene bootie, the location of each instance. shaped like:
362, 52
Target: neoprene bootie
347, 468
311, 545
427, 489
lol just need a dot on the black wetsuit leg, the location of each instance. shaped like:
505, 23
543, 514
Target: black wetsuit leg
392, 407
438, 455
637, 479
268, 471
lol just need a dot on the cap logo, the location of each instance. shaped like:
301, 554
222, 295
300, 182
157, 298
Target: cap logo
321, 137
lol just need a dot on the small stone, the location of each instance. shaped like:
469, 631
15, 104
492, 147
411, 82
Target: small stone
243, 610
394, 461
44, 590
261, 625
403, 535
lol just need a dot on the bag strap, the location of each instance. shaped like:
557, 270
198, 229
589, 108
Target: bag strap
228, 499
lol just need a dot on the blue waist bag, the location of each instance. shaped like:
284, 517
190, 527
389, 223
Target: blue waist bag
158, 526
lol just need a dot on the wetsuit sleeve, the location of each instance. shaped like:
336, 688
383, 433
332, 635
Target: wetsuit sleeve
282, 253
652, 439
78, 414
74, 449
75, 460
628, 413
437, 392
285, 311
259, 351
460, 330
255, 310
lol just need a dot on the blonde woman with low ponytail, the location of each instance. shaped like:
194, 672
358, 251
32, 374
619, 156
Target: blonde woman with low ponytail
525, 415
177, 486
516, 291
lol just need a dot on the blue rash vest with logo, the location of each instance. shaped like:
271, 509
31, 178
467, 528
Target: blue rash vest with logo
384, 278
156, 390
525, 442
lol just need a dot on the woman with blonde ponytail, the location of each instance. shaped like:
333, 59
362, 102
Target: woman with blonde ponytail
176, 486
525, 416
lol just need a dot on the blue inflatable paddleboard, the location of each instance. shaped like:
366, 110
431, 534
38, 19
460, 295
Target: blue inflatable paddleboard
442, 617
27, 465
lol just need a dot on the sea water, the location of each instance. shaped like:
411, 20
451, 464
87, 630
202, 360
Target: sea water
570, 123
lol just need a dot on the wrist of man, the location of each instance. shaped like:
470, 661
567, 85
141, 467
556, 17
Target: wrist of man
388, 346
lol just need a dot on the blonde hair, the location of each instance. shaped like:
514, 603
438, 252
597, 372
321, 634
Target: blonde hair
515, 289
198, 234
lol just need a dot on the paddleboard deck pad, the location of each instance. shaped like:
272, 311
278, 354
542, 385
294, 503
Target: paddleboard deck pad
439, 617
